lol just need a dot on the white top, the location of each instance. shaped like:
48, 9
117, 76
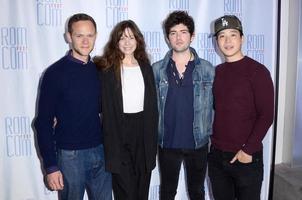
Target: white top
133, 89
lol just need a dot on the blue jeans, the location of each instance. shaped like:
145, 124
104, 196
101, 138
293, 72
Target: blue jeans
84, 169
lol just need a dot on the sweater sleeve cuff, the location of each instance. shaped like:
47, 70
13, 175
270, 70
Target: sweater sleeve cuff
52, 169
246, 149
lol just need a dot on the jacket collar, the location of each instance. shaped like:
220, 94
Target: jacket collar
169, 55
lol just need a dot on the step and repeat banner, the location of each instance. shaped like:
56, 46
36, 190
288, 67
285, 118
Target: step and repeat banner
32, 38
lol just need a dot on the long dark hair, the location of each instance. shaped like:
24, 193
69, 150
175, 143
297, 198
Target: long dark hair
112, 56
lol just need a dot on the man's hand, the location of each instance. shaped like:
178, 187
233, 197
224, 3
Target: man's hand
242, 157
55, 180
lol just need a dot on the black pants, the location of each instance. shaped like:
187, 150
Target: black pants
129, 185
134, 180
195, 163
235, 181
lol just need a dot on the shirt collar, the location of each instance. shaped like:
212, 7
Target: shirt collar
70, 57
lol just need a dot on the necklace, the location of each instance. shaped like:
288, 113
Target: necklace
179, 76
182, 74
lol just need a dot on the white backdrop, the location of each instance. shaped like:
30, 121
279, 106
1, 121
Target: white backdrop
31, 38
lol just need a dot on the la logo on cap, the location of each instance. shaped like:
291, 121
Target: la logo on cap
224, 22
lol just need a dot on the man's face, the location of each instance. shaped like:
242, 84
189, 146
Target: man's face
82, 39
229, 42
180, 38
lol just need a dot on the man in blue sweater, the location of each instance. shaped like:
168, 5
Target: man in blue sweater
72, 147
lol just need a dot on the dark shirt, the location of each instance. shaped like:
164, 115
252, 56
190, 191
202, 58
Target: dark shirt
69, 92
244, 105
179, 112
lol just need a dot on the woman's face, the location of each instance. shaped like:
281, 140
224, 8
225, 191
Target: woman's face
127, 43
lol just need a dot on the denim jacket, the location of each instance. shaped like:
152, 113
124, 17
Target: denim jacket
203, 77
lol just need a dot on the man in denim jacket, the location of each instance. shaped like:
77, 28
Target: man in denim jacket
184, 89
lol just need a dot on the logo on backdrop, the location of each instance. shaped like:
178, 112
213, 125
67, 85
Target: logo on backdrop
154, 192
153, 40
49, 12
206, 47
255, 46
13, 48
179, 5
18, 136
233, 7
116, 11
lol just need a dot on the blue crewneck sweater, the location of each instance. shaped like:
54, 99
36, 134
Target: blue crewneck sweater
70, 92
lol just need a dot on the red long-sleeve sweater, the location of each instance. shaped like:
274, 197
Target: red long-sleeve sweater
244, 105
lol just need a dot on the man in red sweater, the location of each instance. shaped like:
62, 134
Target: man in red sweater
244, 108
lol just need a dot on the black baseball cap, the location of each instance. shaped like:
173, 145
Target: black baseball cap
227, 22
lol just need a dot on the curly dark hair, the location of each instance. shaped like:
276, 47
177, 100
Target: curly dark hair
112, 56
178, 17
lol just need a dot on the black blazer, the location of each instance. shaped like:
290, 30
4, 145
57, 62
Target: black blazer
112, 118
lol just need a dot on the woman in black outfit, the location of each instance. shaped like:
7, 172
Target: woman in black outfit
129, 109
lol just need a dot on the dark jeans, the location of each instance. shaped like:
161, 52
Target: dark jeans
84, 169
235, 181
195, 164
